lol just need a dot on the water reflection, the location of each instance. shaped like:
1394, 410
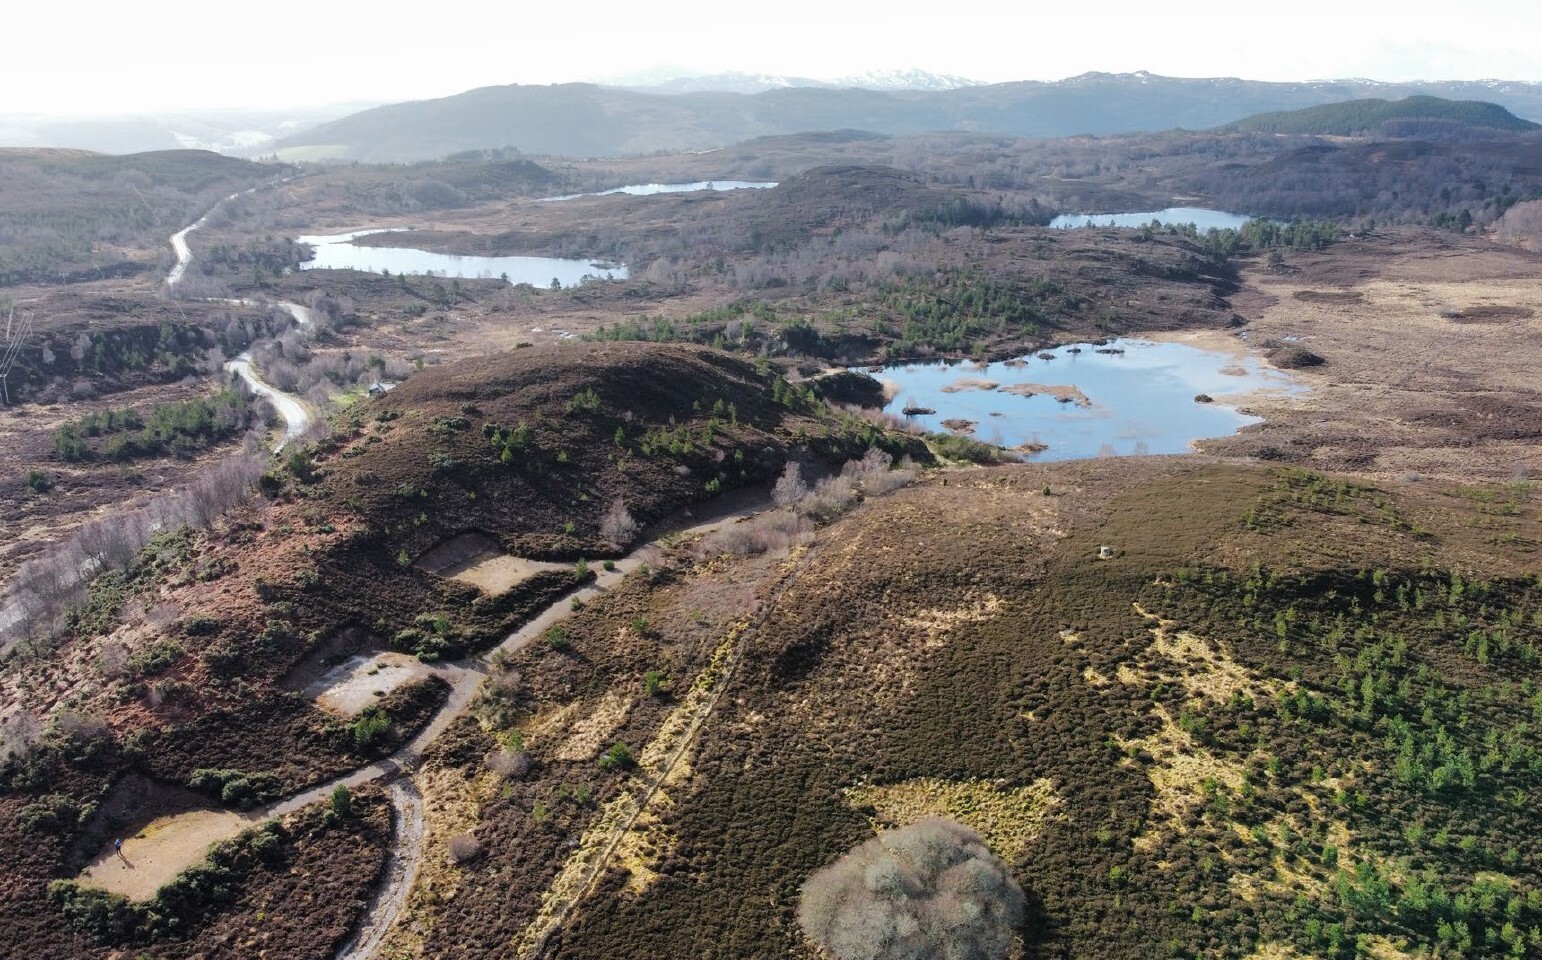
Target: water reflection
649, 189
1172, 216
338, 252
1085, 400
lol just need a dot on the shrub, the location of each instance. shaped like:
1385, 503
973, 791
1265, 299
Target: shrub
342, 801
556, 637
951, 447
155, 659
38, 482
224, 658
464, 848
932, 889
235, 788
618, 757
1293, 356
771, 531
878, 475
53, 813
509, 764
585, 399
830, 499
300, 467
655, 683
370, 726
199, 625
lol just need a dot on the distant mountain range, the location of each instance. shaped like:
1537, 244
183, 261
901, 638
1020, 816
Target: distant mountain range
589, 120
666, 81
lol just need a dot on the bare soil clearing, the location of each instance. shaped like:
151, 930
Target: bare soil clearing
476, 559
360, 681
154, 854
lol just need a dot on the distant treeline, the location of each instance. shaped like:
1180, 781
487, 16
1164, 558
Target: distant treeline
1258, 235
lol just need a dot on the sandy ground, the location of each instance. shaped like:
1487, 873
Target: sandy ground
475, 559
360, 681
154, 854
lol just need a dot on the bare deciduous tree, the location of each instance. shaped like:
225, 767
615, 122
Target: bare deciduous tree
930, 890
18, 732
618, 528
790, 488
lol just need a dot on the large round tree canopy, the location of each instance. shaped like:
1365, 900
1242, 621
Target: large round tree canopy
929, 891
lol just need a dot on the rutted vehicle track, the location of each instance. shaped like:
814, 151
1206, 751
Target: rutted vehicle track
400, 872
564, 899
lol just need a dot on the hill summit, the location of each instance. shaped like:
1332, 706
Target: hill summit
1418, 116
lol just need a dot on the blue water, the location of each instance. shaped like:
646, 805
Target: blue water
337, 252
1172, 216
649, 189
1140, 401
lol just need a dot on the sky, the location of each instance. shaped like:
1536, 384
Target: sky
108, 57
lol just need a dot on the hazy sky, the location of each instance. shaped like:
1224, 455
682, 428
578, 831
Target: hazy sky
112, 56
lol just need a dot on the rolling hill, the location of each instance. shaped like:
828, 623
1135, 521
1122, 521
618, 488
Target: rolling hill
1419, 116
579, 119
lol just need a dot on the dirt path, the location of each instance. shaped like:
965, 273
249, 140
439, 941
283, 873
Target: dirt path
296, 415
466, 680
296, 418
400, 874
179, 245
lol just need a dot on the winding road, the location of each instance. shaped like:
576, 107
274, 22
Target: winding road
296, 416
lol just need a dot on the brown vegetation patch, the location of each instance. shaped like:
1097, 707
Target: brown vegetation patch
589, 734
1182, 774
936, 624
1392, 353
969, 383
1328, 296
1490, 313
1202, 668
1009, 818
